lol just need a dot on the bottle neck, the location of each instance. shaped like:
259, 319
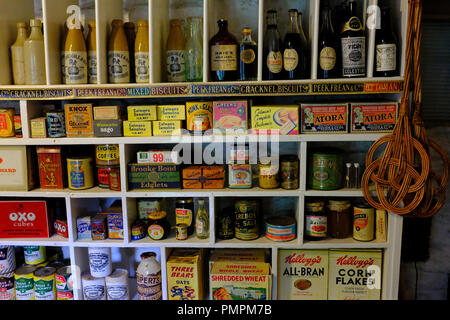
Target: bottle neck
247, 37
223, 27
352, 9
293, 25
326, 21
385, 20
272, 20
21, 33
194, 29
35, 32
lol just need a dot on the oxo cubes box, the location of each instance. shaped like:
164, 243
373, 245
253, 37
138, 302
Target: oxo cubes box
24, 219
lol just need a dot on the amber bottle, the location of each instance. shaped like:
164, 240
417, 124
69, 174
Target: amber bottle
118, 54
223, 51
92, 53
75, 56
141, 56
176, 69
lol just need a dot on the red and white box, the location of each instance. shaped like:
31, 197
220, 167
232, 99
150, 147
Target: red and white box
24, 219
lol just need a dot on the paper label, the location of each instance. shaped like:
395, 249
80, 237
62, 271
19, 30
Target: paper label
386, 57
224, 58
175, 66
75, 67
119, 66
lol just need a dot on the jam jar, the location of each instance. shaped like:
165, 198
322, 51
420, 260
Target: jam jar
316, 221
158, 226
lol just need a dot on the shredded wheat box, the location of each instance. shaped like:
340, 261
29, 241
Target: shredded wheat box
354, 274
302, 274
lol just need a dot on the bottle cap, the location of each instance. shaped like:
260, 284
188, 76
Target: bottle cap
175, 22
246, 30
21, 24
35, 23
129, 25
117, 23
146, 255
91, 24
142, 23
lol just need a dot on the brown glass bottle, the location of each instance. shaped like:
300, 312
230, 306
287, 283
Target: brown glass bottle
223, 50
294, 53
248, 53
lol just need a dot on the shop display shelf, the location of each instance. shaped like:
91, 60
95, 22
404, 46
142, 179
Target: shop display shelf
171, 241
99, 243
334, 193
261, 242
53, 241
347, 243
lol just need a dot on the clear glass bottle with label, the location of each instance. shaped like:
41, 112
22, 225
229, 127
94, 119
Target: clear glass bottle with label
248, 57
34, 55
75, 69
273, 58
17, 55
118, 54
175, 60
141, 55
130, 32
328, 48
386, 47
92, 53
223, 50
148, 277
294, 52
202, 221
194, 51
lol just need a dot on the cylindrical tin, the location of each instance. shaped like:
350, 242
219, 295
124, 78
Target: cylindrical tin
107, 154
99, 227
64, 283
44, 283
282, 228
93, 288
7, 286
18, 126
100, 261
103, 176
114, 179
7, 259
7, 122
117, 285
289, 172
363, 222
80, 173
51, 170
246, 220
56, 125
138, 230
34, 254
147, 206
326, 170
181, 231
25, 282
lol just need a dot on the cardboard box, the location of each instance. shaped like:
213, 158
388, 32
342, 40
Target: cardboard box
84, 231
283, 120
185, 275
153, 176
25, 219
107, 113
303, 275
39, 127
141, 113
373, 117
79, 120
230, 116
17, 168
171, 112
199, 116
167, 128
157, 156
324, 118
137, 128
108, 128
204, 177
114, 222
355, 274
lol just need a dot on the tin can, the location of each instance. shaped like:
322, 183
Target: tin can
44, 283
80, 173
100, 261
363, 222
246, 220
147, 206
24, 282
103, 176
64, 283
326, 171
282, 228
268, 175
117, 287
289, 172
107, 154
114, 179
34, 254
56, 125
7, 259
93, 288
7, 122
7, 286
98, 227
181, 231
138, 230
51, 171
18, 126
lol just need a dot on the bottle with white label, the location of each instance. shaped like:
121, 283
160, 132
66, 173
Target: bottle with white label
385, 48
92, 53
34, 55
148, 276
224, 50
17, 56
141, 60
118, 54
353, 43
273, 58
75, 69
176, 69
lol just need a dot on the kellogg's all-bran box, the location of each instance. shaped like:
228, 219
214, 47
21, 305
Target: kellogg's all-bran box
302, 274
324, 118
355, 274
373, 117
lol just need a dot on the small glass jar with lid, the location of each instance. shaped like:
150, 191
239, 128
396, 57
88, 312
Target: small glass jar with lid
339, 219
316, 224
268, 174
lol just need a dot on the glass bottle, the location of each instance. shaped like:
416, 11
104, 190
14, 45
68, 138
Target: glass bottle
118, 54
17, 54
385, 47
34, 55
148, 276
175, 59
223, 49
225, 224
194, 51
141, 55
92, 53
75, 56
273, 59
131, 37
315, 221
202, 221
353, 42
184, 213
294, 53
328, 48
248, 53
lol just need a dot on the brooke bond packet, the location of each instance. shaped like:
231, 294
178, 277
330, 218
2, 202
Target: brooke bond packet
373, 117
324, 118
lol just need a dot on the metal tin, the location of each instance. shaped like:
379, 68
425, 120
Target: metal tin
289, 172
103, 175
7, 286
138, 230
80, 173
18, 126
114, 179
56, 125
107, 154
98, 227
93, 288
34, 254
44, 283
247, 220
239, 175
147, 206
363, 222
64, 283
7, 259
282, 228
24, 282
51, 170
181, 231
326, 171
